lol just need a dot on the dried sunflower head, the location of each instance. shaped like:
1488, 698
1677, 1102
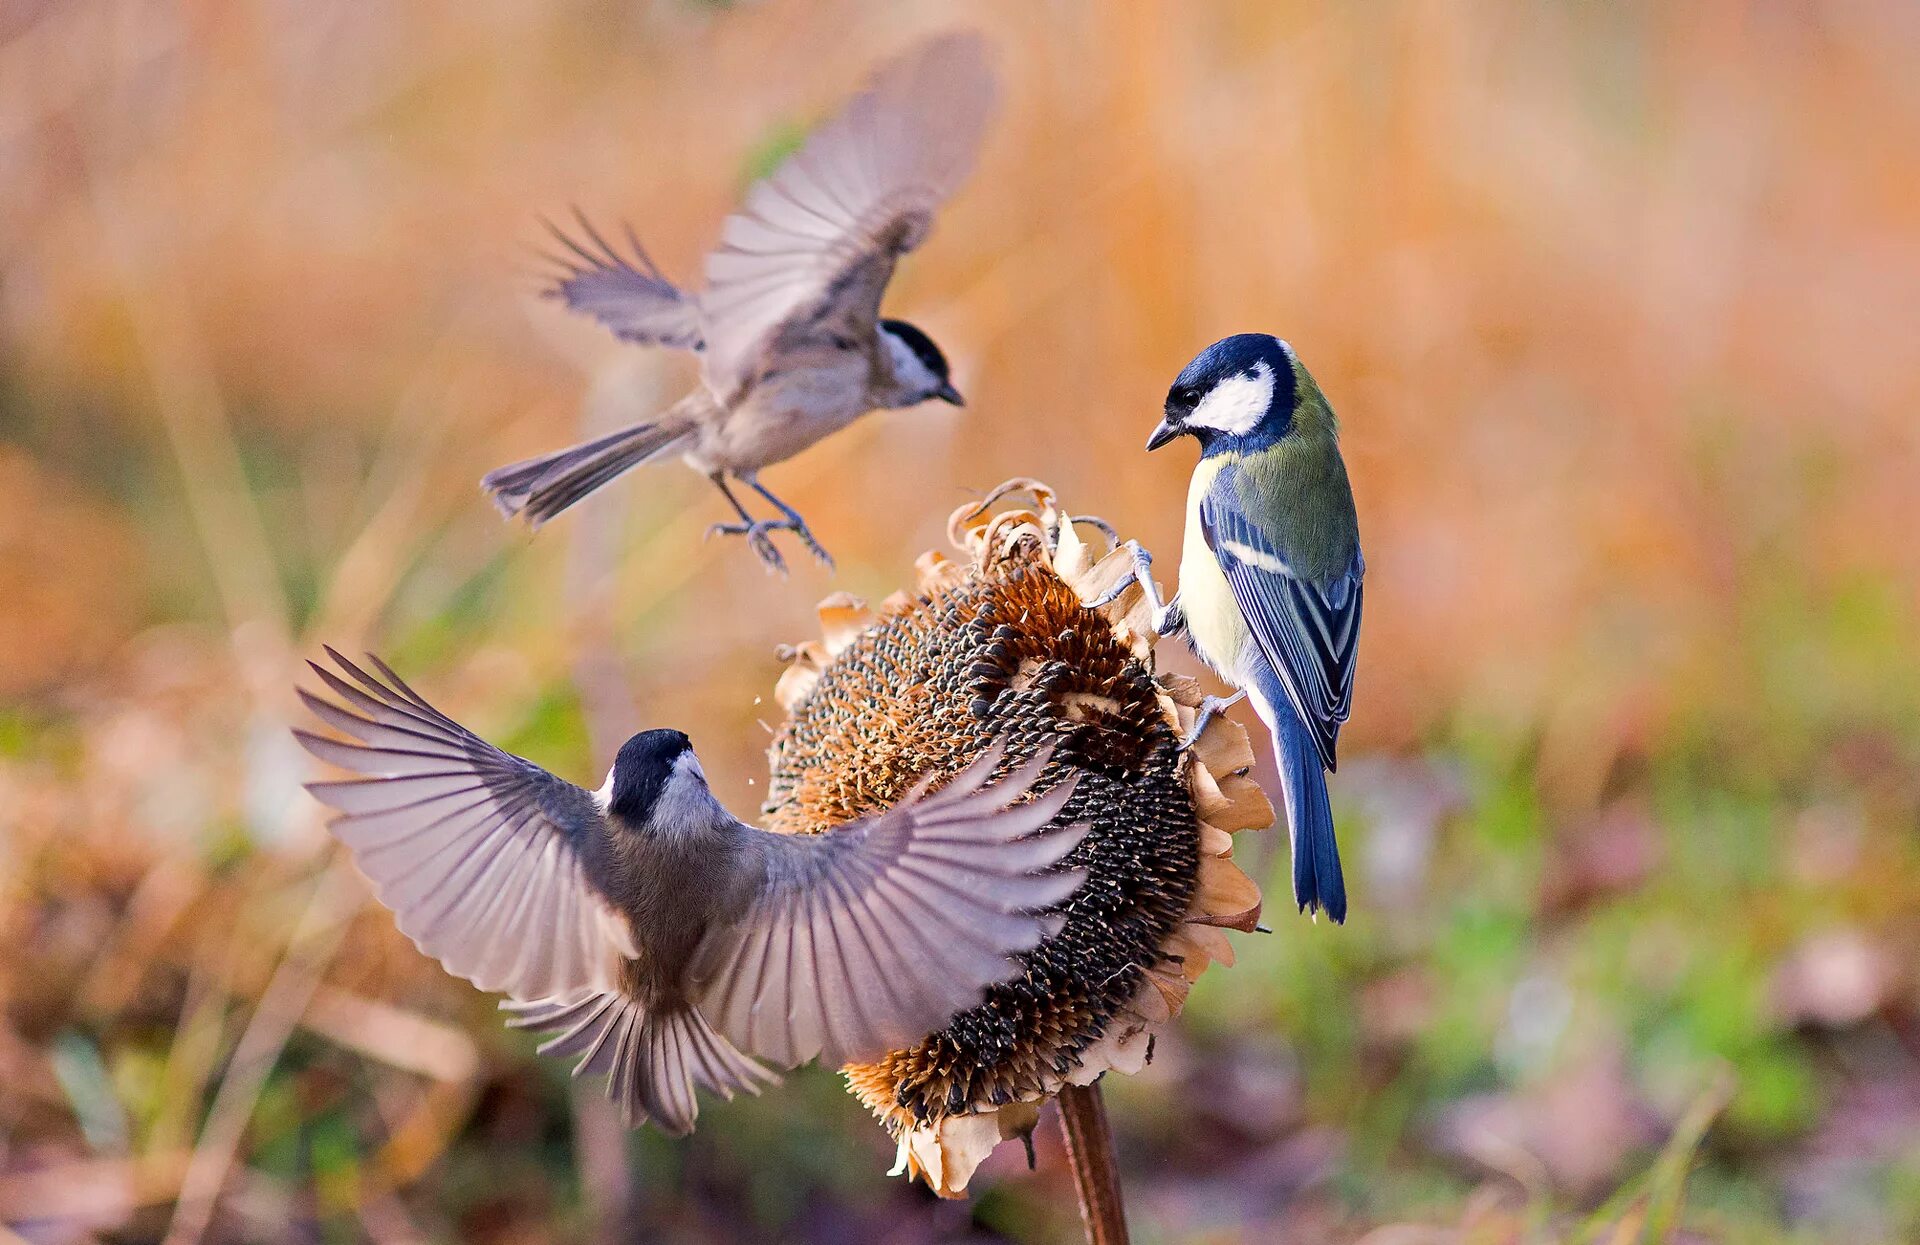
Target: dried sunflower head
998, 643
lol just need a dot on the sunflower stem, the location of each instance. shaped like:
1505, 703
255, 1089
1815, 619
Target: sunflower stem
1096, 1176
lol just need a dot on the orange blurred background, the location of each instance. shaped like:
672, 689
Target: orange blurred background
1617, 303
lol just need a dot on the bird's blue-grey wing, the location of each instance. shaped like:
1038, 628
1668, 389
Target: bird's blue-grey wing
627, 293
486, 860
869, 937
1309, 631
805, 260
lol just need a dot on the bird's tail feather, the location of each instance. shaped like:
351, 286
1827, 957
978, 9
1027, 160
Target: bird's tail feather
541, 488
652, 1059
1317, 879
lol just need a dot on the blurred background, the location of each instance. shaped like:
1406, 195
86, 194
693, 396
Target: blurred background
1618, 304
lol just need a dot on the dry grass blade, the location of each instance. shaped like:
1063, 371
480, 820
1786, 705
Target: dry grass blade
164, 894
92, 1190
409, 1041
186, 394
1667, 1184
1646, 1211
317, 936
393, 1035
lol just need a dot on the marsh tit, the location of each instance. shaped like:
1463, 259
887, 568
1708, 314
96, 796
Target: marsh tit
792, 347
660, 938
1270, 574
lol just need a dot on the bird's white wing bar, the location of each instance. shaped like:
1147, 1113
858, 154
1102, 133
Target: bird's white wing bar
871, 936
1259, 559
477, 852
810, 252
1309, 632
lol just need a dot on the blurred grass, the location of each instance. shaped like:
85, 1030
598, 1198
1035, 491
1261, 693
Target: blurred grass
1616, 303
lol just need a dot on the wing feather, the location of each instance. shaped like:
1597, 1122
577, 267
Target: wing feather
478, 853
870, 936
1309, 632
626, 293
811, 250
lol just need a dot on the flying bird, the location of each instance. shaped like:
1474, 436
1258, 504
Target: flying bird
788, 329
659, 938
1270, 575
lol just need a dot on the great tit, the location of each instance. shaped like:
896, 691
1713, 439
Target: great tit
659, 937
1270, 574
792, 347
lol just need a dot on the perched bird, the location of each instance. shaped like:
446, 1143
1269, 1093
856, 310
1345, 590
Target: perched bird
656, 935
1270, 575
788, 328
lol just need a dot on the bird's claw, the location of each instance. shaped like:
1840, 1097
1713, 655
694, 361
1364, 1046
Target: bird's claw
814, 547
762, 544
1142, 574
1167, 616
764, 549
1210, 708
757, 540
1111, 595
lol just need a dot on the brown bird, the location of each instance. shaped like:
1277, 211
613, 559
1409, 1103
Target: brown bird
660, 938
792, 346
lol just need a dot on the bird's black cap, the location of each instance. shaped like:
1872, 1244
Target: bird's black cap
1225, 359
641, 771
921, 345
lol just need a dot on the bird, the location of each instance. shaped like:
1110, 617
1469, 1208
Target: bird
658, 937
1270, 573
788, 329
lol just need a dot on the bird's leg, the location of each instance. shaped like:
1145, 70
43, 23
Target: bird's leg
746, 518
1210, 708
792, 522
755, 530
1167, 616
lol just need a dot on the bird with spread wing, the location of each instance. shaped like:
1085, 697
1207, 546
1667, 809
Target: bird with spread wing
788, 328
659, 938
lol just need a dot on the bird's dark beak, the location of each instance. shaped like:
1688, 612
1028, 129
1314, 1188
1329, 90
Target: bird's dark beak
1164, 432
947, 393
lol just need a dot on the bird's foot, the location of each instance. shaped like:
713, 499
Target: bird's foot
789, 519
1140, 573
762, 544
814, 547
1167, 617
1210, 708
757, 540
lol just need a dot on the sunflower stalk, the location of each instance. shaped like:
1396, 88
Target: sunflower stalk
1096, 1175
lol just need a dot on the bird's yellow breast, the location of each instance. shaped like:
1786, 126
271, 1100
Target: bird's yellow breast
1214, 623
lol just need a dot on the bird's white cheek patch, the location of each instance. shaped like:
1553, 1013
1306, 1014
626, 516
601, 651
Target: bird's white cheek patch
908, 372
1237, 403
604, 796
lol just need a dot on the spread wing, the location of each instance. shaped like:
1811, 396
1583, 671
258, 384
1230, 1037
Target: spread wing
806, 258
478, 853
627, 294
1309, 631
871, 936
